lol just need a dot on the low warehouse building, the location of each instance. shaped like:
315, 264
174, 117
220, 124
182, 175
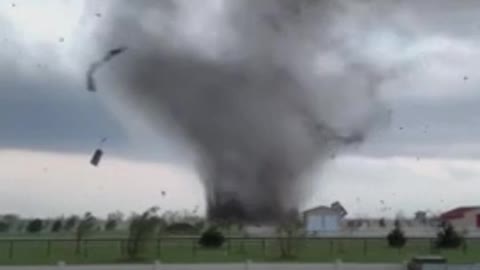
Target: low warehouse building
324, 219
463, 218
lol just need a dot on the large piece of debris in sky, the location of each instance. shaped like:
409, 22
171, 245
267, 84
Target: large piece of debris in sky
96, 158
91, 85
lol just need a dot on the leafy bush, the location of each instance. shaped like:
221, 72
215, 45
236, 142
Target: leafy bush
291, 237
396, 238
70, 223
85, 227
212, 238
35, 226
110, 225
4, 226
57, 225
142, 228
448, 238
382, 223
113, 220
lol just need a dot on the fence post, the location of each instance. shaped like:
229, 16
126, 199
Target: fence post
247, 264
264, 247
229, 245
10, 249
365, 247
159, 248
338, 264
340, 247
49, 244
243, 248
122, 248
61, 264
331, 247
194, 248
85, 248
157, 265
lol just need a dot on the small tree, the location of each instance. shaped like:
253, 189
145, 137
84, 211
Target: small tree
113, 220
396, 238
70, 223
290, 235
86, 226
4, 226
35, 226
212, 238
382, 223
21, 225
110, 225
142, 227
12, 220
57, 225
448, 237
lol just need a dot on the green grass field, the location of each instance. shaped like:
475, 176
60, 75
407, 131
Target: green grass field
98, 250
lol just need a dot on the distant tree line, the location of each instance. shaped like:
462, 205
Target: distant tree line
447, 237
174, 222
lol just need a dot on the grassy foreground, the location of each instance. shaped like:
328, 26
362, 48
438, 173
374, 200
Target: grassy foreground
185, 250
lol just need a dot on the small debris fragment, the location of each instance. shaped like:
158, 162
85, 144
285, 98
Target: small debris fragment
61, 39
164, 193
400, 128
13, 5
91, 86
98, 15
97, 156
465, 78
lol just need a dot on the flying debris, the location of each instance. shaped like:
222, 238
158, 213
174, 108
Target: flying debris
91, 85
97, 155
96, 158
465, 78
164, 193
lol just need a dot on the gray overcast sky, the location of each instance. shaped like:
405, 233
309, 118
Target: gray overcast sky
50, 124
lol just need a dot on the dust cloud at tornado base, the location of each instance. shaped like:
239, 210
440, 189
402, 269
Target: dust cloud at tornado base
263, 91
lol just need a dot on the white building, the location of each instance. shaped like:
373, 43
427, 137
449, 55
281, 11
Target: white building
324, 219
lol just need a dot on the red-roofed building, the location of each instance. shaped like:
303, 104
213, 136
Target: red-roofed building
467, 217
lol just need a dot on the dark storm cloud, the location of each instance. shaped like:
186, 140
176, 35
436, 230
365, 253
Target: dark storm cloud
31, 98
45, 116
424, 128
253, 107
40, 108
